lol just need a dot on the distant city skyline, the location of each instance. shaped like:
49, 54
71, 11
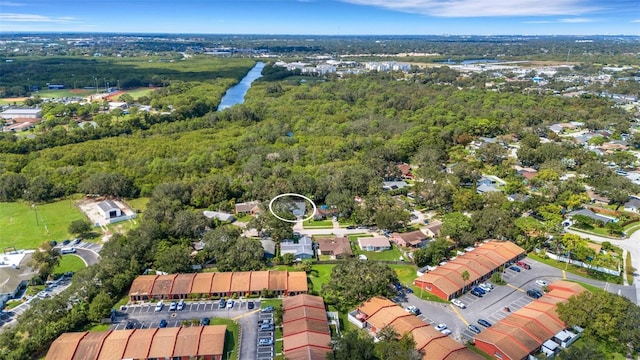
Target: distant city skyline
325, 17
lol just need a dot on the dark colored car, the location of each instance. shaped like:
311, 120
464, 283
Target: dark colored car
251, 305
53, 243
66, 242
222, 304
350, 227
130, 325
475, 293
515, 268
534, 294
480, 290
205, 321
475, 329
484, 323
163, 323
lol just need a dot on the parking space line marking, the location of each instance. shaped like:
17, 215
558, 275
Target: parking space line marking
515, 287
459, 315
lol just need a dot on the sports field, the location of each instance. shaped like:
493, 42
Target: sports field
64, 93
25, 226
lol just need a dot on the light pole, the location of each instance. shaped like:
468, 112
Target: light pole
96, 79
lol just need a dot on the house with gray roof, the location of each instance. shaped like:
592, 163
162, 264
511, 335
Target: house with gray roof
633, 205
302, 249
592, 215
222, 216
109, 209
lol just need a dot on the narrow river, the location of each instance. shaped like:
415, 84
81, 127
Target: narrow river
235, 94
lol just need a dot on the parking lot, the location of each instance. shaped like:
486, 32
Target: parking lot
145, 316
266, 338
492, 306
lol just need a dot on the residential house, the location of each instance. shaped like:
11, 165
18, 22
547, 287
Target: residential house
632, 205
488, 184
302, 249
597, 198
526, 172
393, 185
414, 239
433, 228
14, 278
222, 216
592, 215
251, 207
269, 247
405, 170
336, 247
377, 243
323, 211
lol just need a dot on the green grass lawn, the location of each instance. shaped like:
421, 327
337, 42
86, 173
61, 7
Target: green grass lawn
631, 228
245, 218
321, 224
26, 227
67, 263
123, 226
64, 93
320, 275
139, 204
136, 93
406, 273
577, 270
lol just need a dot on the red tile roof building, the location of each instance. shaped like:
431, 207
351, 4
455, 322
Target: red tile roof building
220, 284
305, 330
446, 281
379, 312
524, 331
201, 342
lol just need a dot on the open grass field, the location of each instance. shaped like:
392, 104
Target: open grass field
137, 93
65, 93
68, 263
26, 227
10, 101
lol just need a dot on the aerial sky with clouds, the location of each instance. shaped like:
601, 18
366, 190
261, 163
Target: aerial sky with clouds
325, 17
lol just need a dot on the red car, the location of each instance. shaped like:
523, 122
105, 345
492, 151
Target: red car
523, 265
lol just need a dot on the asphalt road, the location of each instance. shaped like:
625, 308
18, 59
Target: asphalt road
90, 257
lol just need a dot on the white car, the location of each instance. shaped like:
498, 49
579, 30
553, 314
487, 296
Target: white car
458, 303
441, 326
446, 332
542, 283
485, 287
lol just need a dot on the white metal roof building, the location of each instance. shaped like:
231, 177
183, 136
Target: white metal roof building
21, 113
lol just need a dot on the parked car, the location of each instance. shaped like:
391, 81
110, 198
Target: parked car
267, 309
180, 305
66, 242
130, 325
76, 241
173, 306
350, 227
458, 303
159, 306
266, 327
523, 264
163, 323
441, 326
251, 305
485, 287
542, 283
514, 268
53, 243
475, 293
222, 304
230, 304
484, 323
446, 332
205, 321
475, 329
534, 294
480, 290
265, 341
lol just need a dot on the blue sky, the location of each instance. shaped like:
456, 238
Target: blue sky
325, 17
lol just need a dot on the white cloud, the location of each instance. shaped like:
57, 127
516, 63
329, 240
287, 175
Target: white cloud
635, 21
480, 8
11, 17
576, 20
10, 3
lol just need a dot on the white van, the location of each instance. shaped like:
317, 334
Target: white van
67, 250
